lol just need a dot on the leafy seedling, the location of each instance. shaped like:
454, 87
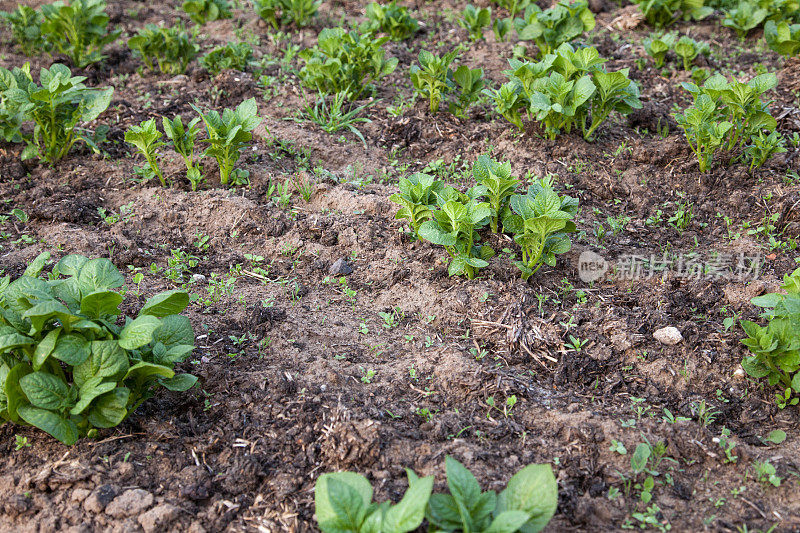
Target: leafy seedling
228, 134
183, 139
145, 137
78, 30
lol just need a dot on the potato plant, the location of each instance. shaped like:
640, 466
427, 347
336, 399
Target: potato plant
11, 115
282, 12
183, 138
228, 134
78, 30
345, 62
203, 11
474, 20
744, 17
527, 503
775, 348
145, 137
170, 50
66, 367
57, 109
456, 220
26, 28
417, 199
343, 502
688, 49
658, 46
783, 38
549, 29
540, 221
391, 19
660, 13
233, 56
564, 91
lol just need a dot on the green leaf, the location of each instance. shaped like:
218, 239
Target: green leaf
90, 390
110, 409
100, 303
777, 436
61, 428
532, 490
341, 500
640, 457
508, 522
45, 390
138, 332
72, 348
14, 395
180, 383
165, 303
35, 267
107, 360
45, 348
407, 515
99, 274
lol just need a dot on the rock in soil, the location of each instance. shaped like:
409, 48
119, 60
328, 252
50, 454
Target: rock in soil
668, 335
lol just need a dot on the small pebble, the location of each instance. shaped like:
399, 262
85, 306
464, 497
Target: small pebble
340, 268
668, 335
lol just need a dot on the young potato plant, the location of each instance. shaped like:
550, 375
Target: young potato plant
775, 348
513, 6
740, 104
763, 146
660, 13
145, 137
454, 225
658, 46
57, 108
782, 37
345, 62
282, 12
183, 140
25, 24
501, 27
66, 367
433, 78
527, 503
744, 17
11, 117
559, 24
233, 56
474, 20
343, 503
563, 90
469, 85
704, 130
202, 11
540, 221
228, 134
688, 49
78, 30
168, 49
417, 200
500, 185
391, 19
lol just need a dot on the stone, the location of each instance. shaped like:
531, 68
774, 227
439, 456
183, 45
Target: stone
129, 503
340, 268
198, 278
100, 497
668, 335
158, 518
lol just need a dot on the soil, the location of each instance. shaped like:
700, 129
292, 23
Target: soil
299, 376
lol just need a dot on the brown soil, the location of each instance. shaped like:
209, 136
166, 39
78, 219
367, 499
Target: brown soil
282, 350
